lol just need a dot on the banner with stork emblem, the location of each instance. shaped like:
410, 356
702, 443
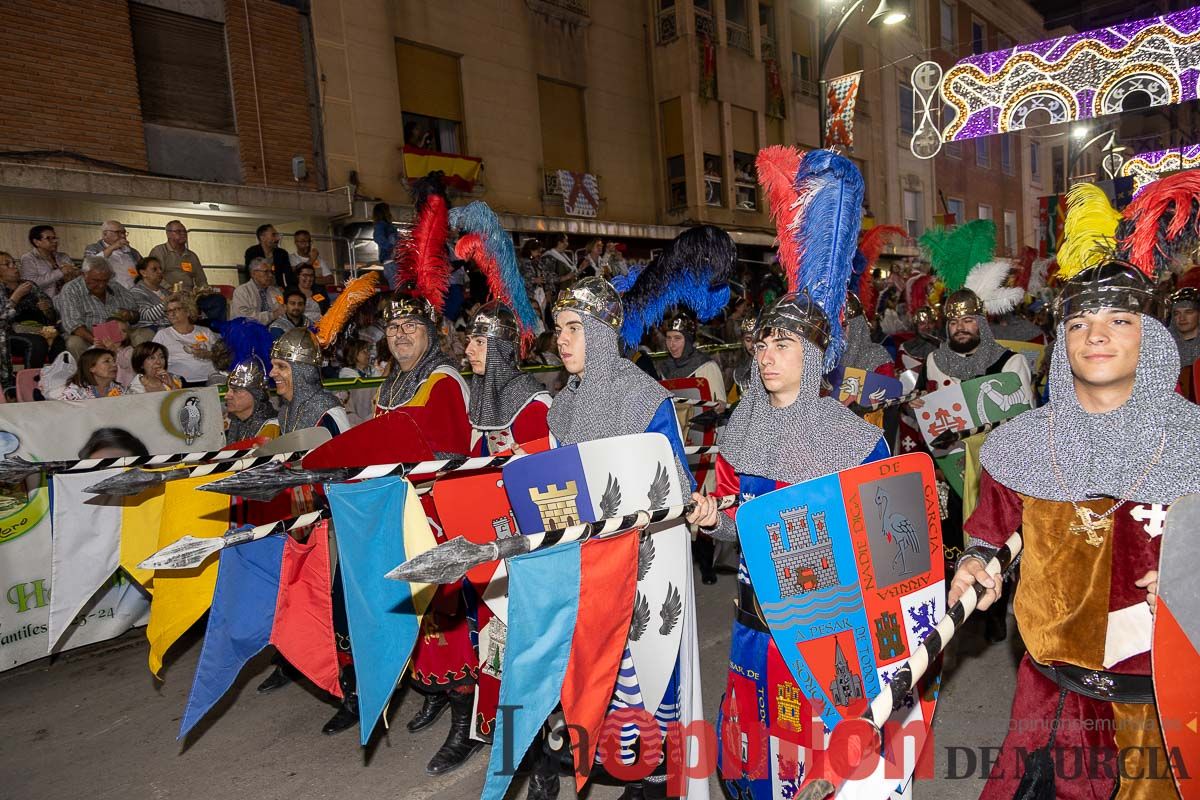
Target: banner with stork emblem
848, 573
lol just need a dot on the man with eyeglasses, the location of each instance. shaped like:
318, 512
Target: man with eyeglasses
258, 298
180, 265
44, 266
114, 246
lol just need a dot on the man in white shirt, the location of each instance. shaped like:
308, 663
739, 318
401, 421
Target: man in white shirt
258, 298
114, 245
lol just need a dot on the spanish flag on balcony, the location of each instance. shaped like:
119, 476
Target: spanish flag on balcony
461, 172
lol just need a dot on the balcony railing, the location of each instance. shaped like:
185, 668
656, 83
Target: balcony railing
802, 87
668, 27
738, 37
572, 12
705, 26
768, 47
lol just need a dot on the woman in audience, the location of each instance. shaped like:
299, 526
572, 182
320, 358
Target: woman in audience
189, 346
317, 303
150, 364
96, 377
151, 294
30, 315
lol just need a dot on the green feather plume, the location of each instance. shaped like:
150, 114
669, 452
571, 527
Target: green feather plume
953, 253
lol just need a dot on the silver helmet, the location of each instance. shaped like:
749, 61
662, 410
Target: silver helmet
298, 345
250, 374
595, 297
854, 306
682, 322
1114, 285
405, 305
495, 319
796, 312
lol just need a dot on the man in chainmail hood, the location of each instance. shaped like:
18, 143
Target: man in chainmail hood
1185, 323
685, 361
421, 378
861, 352
970, 350
1087, 480
303, 401
249, 413
508, 406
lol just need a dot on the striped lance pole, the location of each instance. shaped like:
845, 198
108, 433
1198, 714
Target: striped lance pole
15, 468
190, 551
450, 561
905, 678
266, 481
137, 479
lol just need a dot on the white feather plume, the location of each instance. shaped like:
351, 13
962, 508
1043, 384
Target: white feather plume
986, 280
1037, 275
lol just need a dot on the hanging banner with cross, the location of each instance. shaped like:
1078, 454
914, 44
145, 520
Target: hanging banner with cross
580, 193
840, 94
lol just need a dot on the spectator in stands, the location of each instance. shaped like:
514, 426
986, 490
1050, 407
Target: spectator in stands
269, 249
258, 298
183, 272
96, 376
29, 314
150, 361
92, 301
114, 246
294, 303
316, 303
557, 264
44, 266
189, 346
359, 403
384, 235
150, 294
307, 254
589, 265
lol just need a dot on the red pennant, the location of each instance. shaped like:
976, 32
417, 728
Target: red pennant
387, 439
607, 583
303, 630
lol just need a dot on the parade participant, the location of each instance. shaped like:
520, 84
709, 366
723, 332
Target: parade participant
861, 352
741, 373
508, 407
684, 360
249, 413
303, 401
1185, 318
1087, 479
926, 326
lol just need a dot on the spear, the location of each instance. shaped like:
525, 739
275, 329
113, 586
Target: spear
191, 551
15, 468
137, 480
264, 482
449, 561
948, 438
905, 678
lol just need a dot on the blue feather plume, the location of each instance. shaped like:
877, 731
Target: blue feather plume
478, 217
830, 192
245, 337
692, 272
623, 283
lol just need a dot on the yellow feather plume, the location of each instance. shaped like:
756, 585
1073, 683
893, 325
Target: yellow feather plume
354, 295
1089, 231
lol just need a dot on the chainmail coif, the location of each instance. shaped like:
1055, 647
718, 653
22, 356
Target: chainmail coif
1103, 455
861, 352
242, 429
399, 387
499, 394
965, 367
309, 400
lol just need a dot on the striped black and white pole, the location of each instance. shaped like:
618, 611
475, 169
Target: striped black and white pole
892, 696
138, 479
951, 437
690, 401
15, 468
267, 481
190, 552
449, 561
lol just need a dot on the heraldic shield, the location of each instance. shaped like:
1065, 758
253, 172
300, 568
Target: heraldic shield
1176, 648
848, 573
971, 404
608, 478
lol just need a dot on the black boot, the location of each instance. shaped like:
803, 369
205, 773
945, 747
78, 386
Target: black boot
347, 715
276, 680
459, 746
633, 791
430, 710
543, 780
703, 550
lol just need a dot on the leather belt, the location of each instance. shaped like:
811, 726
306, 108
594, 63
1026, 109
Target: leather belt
747, 609
1110, 687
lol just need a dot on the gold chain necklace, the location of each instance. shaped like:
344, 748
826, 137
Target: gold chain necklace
1091, 524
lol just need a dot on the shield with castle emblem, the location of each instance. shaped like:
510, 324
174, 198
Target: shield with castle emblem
608, 478
848, 573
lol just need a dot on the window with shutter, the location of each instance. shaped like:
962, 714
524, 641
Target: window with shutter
182, 69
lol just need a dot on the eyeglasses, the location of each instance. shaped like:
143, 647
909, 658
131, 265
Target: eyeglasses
118, 230
174, 309
407, 328
174, 230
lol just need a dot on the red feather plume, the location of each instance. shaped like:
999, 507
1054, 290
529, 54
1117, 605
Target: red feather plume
871, 245
1189, 279
777, 167
473, 247
421, 255
1025, 268
1163, 218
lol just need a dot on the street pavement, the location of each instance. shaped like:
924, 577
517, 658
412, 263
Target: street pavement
95, 724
